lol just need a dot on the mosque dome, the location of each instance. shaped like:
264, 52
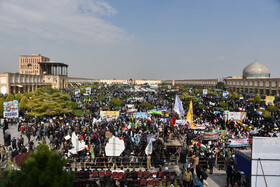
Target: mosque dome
256, 69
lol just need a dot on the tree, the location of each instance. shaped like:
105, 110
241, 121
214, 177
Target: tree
23, 103
1, 107
30, 94
10, 97
25, 94
116, 102
146, 105
257, 99
50, 102
18, 96
124, 97
272, 108
43, 168
234, 95
220, 85
223, 105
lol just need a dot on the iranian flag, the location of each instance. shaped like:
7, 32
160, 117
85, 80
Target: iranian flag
202, 146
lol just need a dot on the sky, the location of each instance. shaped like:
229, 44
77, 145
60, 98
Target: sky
143, 39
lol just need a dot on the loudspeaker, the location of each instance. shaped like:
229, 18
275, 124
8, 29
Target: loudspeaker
7, 139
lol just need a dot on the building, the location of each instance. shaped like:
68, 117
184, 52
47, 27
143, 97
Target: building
198, 83
19, 83
29, 64
34, 71
55, 74
255, 79
73, 80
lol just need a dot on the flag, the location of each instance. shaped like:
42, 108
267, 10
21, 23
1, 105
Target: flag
202, 146
173, 121
190, 113
178, 108
92, 152
149, 119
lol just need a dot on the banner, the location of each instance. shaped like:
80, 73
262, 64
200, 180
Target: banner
155, 112
210, 135
225, 94
141, 115
77, 93
182, 122
88, 90
269, 100
238, 142
114, 147
205, 91
236, 116
10, 109
132, 110
109, 114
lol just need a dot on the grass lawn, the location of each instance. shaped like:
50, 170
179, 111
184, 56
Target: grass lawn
78, 112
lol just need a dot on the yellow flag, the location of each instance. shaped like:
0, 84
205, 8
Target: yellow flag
190, 113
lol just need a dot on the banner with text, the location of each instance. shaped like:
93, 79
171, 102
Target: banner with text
236, 116
238, 142
141, 115
109, 114
269, 100
210, 135
10, 109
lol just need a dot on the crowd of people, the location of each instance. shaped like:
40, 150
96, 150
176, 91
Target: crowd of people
194, 155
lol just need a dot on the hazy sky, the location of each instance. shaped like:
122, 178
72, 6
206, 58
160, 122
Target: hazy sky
143, 39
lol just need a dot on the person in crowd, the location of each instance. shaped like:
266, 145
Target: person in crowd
188, 178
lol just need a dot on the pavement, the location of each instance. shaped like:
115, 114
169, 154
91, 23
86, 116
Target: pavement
13, 130
218, 178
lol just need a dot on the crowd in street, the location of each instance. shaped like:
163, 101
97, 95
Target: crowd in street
195, 155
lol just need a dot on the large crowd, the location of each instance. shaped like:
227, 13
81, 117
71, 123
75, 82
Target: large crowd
194, 155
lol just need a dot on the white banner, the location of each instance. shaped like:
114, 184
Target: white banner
114, 147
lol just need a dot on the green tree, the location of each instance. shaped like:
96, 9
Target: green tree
220, 85
23, 103
50, 102
43, 168
257, 99
223, 105
30, 94
1, 107
234, 95
272, 108
146, 105
124, 97
10, 97
116, 102
25, 94
18, 96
